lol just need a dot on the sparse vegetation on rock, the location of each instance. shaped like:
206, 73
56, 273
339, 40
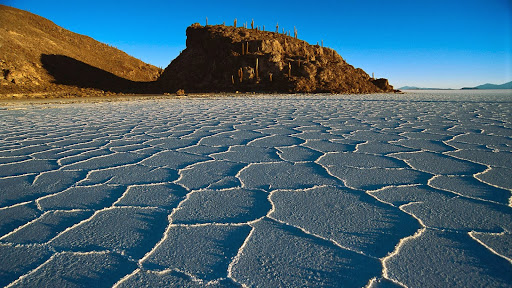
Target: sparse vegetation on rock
261, 61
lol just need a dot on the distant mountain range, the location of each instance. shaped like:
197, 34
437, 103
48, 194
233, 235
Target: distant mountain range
507, 85
419, 88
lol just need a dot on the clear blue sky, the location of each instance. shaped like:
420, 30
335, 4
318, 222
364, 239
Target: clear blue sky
436, 43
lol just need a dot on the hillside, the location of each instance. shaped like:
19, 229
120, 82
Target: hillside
36, 55
222, 58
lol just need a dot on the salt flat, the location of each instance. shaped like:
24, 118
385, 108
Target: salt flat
383, 190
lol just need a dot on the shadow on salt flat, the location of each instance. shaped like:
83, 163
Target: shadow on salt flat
327, 146
491, 158
474, 216
24, 188
376, 178
376, 147
79, 270
284, 175
276, 141
205, 174
453, 213
170, 278
360, 160
165, 195
451, 258
27, 166
384, 283
173, 159
131, 175
499, 242
18, 260
423, 144
222, 206
208, 259
83, 197
47, 226
102, 162
203, 149
497, 176
278, 255
298, 153
351, 218
230, 138
15, 216
132, 230
439, 164
248, 154
471, 187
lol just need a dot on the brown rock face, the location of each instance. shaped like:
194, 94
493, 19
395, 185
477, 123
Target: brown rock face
383, 84
222, 58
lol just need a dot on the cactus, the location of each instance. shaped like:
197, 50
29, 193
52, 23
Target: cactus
277, 27
206, 21
234, 24
257, 76
289, 69
295, 32
252, 24
247, 48
232, 80
263, 27
243, 48
241, 74
270, 77
322, 43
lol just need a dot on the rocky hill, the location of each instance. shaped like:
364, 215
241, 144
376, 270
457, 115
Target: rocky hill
36, 55
223, 58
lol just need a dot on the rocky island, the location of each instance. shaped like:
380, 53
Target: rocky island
226, 58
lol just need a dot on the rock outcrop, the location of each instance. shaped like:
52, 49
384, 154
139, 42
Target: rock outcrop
223, 58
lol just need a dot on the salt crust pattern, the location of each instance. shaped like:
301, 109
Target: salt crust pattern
284, 191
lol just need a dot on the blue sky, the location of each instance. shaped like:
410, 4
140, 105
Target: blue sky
445, 44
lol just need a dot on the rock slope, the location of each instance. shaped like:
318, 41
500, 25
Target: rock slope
224, 58
36, 55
